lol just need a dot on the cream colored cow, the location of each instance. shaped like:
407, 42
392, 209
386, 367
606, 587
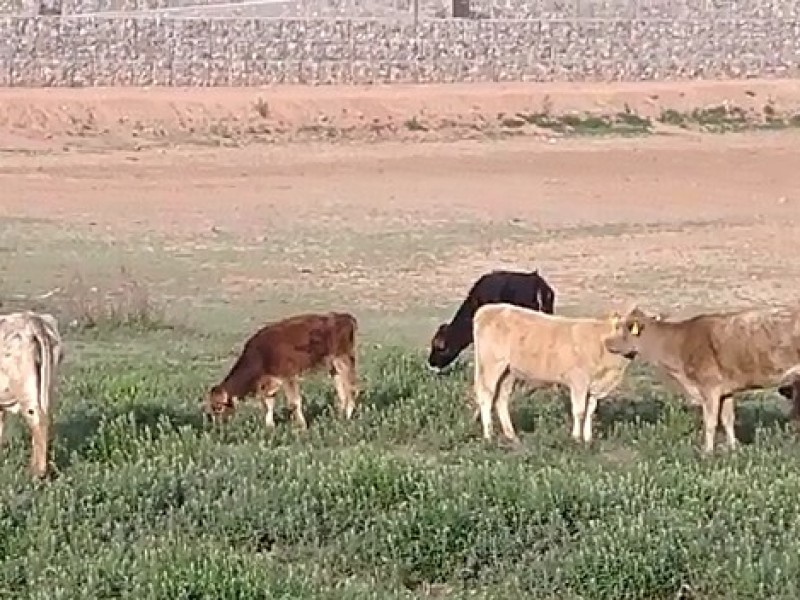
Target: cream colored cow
517, 343
30, 354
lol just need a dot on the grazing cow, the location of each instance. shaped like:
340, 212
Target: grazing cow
30, 354
789, 388
528, 290
279, 353
512, 342
713, 356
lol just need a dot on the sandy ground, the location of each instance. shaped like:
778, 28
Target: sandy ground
43, 119
674, 222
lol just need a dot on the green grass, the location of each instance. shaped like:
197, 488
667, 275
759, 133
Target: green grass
723, 118
405, 501
624, 123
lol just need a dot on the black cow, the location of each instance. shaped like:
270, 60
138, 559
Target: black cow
528, 290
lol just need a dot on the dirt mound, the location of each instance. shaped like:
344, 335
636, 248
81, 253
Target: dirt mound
35, 120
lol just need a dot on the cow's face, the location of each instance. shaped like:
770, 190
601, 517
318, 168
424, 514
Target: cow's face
218, 405
789, 388
441, 353
627, 333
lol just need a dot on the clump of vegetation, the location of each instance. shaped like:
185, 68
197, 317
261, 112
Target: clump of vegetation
124, 303
670, 116
415, 124
721, 118
622, 123
724, 118
403, 501
261, 107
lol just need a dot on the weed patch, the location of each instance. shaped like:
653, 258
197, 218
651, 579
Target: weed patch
126, 303
623, 123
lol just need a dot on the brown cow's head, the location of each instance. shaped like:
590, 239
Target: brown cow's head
627, 332
789, 388
218, 404
442, 354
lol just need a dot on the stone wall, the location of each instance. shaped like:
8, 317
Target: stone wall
205, 52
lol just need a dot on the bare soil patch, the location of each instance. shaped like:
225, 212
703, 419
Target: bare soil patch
38, 120
398, 231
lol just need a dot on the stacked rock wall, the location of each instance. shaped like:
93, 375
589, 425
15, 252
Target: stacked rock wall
743, 40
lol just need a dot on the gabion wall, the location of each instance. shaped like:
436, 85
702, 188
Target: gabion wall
74, 51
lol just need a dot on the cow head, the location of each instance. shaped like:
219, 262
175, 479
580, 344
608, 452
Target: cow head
218, 405
626, 338
442, 354
789, 388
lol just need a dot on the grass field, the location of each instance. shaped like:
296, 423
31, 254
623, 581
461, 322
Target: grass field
405, 501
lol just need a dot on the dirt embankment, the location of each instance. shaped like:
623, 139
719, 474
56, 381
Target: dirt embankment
36, 119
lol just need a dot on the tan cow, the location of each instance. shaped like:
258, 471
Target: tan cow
513, 343
713, 356
30, 354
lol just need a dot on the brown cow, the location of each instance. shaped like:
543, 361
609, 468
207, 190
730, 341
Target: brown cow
713, 356
279, 353
514, 342
789, 388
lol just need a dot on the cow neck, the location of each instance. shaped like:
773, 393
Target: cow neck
656, 348
459, 331
242, 378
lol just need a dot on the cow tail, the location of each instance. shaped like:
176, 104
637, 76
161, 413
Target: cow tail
45, 371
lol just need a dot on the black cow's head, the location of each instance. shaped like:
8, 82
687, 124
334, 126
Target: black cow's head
442, 352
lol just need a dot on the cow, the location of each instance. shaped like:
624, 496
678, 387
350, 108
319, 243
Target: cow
789, 388
715, 355
512, 342
525, 289
279, 353
31, 352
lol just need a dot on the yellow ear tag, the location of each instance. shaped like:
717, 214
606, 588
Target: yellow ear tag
635, 328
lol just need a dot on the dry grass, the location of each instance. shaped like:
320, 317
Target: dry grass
126, 302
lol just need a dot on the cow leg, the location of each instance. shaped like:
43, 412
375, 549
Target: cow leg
267, 391
476, 411
295, 402
2, 426
37, 423
578, 399
343, 371
794, 414
728, 417
268, 400
504, 390
711, 405
591, 407
485, 388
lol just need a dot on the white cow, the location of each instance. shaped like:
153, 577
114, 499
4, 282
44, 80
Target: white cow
30, 354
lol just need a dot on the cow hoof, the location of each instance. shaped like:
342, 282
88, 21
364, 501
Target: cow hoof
39, 473
511, 443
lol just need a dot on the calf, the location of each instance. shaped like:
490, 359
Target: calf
713, 356
789, 388
528, 290
279, 353
512, 342
30, 354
